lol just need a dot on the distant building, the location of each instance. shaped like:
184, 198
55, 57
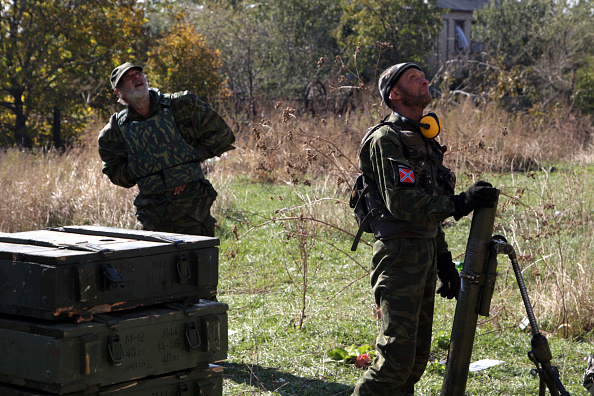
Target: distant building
454, 39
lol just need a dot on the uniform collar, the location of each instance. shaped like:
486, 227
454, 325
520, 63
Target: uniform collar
402, 121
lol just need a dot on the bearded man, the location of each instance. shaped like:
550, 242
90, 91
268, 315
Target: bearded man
412, 193
158, 142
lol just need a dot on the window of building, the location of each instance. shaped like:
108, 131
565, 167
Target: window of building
461, 42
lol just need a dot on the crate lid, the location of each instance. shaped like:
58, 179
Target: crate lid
64, 245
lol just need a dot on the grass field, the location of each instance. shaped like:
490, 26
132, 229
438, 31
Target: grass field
294, 289
263, 277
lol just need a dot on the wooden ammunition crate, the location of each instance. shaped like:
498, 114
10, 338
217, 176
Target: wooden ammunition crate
62, 357
76, 272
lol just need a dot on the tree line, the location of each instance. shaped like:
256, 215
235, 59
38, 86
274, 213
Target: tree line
56, 55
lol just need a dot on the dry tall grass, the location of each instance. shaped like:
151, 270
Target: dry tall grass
549, 219
546, 216
285, 143
52, 189
488, 139
549, 225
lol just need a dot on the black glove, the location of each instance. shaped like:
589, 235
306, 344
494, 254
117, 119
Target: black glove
480, 195
448, 276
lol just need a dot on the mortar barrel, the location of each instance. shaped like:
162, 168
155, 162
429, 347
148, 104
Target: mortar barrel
467, 308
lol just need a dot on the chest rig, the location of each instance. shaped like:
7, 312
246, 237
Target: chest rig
426, 160
159, 158
425, 157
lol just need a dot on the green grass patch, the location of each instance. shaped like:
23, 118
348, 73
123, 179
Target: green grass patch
295, 290
287, 311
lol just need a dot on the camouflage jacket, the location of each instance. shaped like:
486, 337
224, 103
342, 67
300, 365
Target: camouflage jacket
199, 125
412, 181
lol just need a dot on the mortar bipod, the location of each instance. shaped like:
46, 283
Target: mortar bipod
540, 353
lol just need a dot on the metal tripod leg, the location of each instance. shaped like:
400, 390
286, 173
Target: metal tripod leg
540, 353
477, 286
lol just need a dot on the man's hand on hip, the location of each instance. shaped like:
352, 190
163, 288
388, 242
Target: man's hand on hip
178, 189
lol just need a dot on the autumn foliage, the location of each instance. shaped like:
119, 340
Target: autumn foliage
182, 60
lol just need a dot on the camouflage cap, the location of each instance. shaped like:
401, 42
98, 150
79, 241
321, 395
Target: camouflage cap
389, 78
119, 71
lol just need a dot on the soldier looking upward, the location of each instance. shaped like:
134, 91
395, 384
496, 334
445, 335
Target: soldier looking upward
414, 192
158, 142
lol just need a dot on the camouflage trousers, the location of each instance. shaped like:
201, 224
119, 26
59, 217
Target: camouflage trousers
185, 213
403, 279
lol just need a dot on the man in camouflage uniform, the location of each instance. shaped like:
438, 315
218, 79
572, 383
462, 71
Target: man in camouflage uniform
415, 192
158, 142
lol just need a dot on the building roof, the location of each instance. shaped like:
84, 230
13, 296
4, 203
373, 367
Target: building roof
461, 5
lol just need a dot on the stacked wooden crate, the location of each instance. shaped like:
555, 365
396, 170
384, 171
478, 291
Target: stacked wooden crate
106, 311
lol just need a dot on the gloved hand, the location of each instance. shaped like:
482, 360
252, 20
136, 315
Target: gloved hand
448, 276
480, 195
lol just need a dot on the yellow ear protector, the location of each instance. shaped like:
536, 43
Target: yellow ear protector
430, 125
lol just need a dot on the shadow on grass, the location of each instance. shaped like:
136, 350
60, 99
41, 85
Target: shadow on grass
269, 379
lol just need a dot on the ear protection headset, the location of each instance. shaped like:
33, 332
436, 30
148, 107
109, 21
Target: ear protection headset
430, 124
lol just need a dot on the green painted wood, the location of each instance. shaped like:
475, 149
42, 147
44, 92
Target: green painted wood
77, 272
62, 357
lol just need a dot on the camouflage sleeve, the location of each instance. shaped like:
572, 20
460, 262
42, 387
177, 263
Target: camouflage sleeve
405, 203
112, 150
201, 126
442, 245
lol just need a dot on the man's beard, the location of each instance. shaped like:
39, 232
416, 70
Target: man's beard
411, 100
135, 96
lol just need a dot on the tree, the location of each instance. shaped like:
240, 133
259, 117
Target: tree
46, 46
239, 34
407, 27
552, 50
182, 60
510, 28
585, 87
268, 47
299, 34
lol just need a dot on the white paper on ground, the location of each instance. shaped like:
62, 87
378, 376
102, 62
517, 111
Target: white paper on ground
484, 364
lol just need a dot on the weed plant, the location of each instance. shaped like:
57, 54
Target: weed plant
294, 288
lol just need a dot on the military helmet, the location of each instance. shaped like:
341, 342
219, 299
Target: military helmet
389, 78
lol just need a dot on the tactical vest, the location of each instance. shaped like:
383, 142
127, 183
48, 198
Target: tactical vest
425, 158
431, 177
159, 158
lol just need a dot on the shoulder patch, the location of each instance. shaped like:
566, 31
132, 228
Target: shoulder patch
403, 174
406, 175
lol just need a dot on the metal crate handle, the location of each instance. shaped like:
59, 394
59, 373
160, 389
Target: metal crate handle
113, 279
193, 340
184, 271
116, 350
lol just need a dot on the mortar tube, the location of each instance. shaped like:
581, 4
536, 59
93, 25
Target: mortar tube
467, 308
